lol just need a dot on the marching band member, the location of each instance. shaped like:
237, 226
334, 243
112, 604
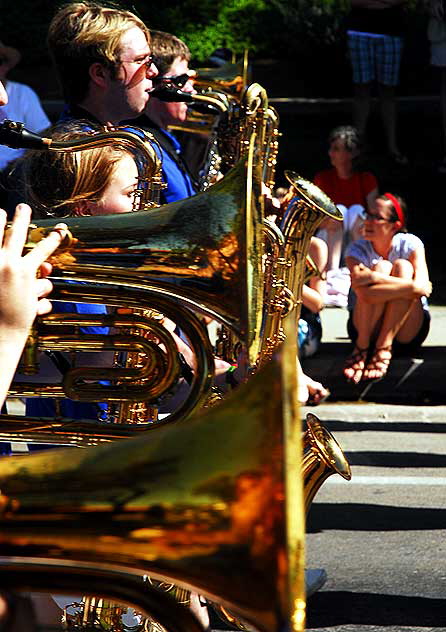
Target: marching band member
104, 62
172, 59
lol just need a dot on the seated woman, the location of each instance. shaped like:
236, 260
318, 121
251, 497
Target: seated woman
352, 190
389, 290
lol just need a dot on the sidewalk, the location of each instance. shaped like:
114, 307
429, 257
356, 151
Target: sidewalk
419, 380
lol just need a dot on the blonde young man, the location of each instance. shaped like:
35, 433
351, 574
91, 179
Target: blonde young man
104, 61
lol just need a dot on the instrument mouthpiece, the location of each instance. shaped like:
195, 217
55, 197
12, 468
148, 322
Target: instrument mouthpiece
15, 135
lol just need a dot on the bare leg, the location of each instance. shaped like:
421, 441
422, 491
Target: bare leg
388, 112
362, 99
309, 391
443, 106
402, 319
199, 609
335, 234
318, 251
366, 319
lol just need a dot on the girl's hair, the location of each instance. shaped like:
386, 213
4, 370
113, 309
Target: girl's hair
348, 134
56, 182
394, 215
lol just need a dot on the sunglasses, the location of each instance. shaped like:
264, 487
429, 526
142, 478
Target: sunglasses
179, 81
376, 218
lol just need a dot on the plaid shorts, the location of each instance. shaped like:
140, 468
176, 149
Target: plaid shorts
375, 57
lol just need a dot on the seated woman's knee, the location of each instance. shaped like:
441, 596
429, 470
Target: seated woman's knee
403, 268
384, 266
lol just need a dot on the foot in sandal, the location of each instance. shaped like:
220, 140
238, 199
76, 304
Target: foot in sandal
378, 364
355, 364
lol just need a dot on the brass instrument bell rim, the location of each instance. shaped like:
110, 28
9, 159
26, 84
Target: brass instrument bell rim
64, 577
175, 470
324, 204
327, 446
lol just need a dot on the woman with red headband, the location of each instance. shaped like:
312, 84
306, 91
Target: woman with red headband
389, 290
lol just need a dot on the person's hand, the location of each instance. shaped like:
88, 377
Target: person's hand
361, 275
3, 95
422, 289
271, 204
22, 294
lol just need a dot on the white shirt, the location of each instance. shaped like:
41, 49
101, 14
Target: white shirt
23, 106
403, 245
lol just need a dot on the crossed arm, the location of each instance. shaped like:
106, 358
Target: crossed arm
373, 286
22, 294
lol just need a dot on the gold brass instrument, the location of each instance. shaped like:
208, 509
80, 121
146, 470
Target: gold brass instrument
160, 256
230, 78
213, 505
135, 140
247, 116
323, 457
278, 299
287, 258
305, 212
271, 147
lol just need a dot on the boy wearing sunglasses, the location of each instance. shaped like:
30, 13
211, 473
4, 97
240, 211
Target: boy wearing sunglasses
172, 60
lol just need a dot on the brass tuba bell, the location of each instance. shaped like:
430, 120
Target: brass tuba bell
213, 504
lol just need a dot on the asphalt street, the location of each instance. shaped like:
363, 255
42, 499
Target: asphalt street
381, 536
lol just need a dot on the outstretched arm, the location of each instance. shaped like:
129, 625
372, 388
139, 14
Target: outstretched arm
22, 294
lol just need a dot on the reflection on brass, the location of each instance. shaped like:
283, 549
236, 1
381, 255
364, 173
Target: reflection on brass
138, 142
305, 212
323, 457
213, 504
84, 383
229, 78
203, 251
202, 254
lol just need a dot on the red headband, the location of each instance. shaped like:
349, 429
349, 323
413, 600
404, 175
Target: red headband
397, 207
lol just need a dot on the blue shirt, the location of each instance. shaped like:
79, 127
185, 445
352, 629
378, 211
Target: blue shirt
179, 183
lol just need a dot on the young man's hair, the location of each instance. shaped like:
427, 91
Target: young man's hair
82, 33
57, 182
166, 48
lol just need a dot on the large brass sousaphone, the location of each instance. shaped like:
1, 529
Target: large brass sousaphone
213, 505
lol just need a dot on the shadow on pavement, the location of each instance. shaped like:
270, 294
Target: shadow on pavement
327, 609
368, 517
396, 459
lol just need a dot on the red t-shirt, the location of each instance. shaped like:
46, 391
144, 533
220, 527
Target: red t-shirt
353, 190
